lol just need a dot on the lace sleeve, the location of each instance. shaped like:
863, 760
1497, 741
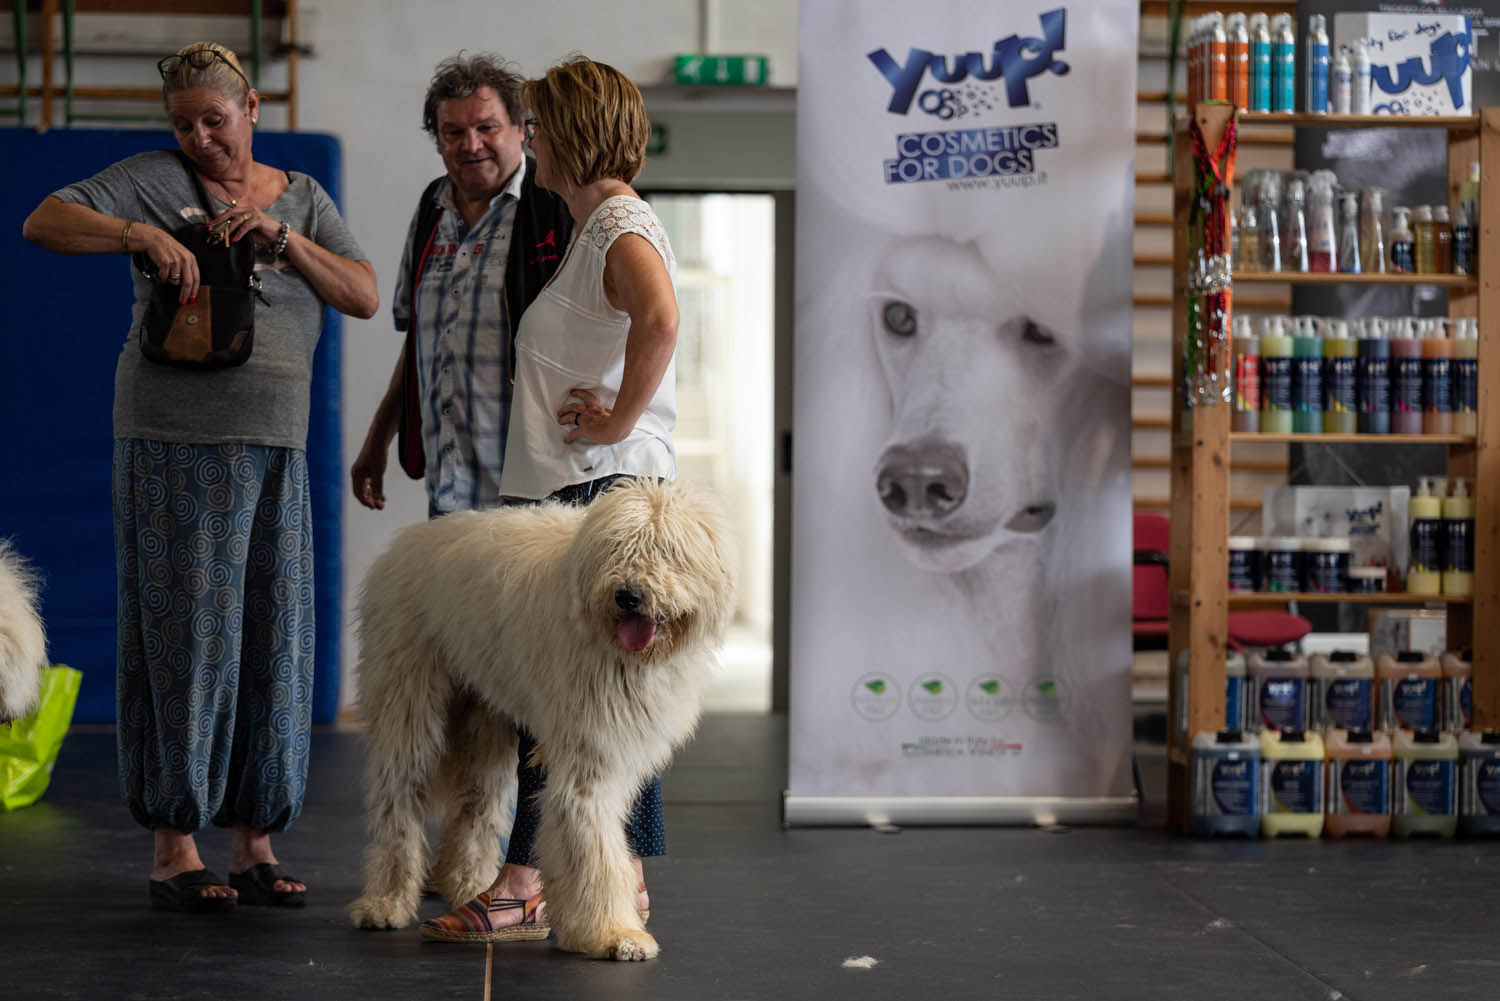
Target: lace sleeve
623, 214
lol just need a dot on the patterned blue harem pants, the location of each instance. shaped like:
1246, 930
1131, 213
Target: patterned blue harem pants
213, 549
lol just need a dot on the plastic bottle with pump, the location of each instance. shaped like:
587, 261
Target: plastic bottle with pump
1246, 346
1316, 60
1437, 379
1294, 240
1322, 226
1260, 62
1458, 541
1283, 64
1372, 231
1425, 575
1349, 256
1402, 242
1466, 376
1442, 241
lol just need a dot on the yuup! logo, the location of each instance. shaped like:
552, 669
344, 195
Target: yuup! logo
1013, 59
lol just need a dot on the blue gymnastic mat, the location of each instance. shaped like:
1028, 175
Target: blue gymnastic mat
63, 321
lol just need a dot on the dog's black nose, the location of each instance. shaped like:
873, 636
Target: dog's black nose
923, 479
628, 598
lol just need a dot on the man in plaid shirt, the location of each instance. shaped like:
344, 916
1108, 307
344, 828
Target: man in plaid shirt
483, 241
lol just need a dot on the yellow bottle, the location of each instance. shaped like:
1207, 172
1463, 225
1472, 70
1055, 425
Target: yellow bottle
1425, 801
1458, 541
1425, 575
1291, 783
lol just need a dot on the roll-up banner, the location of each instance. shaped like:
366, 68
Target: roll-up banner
961, 504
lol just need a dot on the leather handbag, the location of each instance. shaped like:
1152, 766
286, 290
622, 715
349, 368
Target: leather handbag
218, 329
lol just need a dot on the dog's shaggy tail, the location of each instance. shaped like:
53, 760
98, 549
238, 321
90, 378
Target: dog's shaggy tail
23, 644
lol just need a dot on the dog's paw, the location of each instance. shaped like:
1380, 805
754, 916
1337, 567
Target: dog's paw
629, 945
371, 911
458, 888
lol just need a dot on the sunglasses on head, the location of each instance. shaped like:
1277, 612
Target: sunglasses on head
198, 59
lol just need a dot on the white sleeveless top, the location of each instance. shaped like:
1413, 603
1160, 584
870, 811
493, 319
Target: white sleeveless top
571, 337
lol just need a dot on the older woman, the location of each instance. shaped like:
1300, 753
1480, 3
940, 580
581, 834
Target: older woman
212, 521
594, 397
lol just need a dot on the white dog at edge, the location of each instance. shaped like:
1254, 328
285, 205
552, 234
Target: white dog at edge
595, 629
23, 644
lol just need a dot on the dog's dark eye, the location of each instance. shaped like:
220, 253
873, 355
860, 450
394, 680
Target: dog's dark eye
1033, 334
900, 318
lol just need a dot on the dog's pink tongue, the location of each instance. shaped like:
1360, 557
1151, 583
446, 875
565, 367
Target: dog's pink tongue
636, 632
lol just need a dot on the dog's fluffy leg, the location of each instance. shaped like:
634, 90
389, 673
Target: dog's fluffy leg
23, 644
477, 776
404, 699
585, 861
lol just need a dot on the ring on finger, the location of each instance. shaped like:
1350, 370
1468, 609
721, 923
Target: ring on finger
575, 419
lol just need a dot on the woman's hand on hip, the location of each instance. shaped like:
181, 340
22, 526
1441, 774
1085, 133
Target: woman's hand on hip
585, 417
174, 263
245, 220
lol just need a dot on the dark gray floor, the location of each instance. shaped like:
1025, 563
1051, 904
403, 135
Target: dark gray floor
745, 910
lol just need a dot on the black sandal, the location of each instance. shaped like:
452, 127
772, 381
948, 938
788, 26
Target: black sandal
257, 885
184, 892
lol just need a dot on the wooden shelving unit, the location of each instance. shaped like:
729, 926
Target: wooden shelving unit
1201, 447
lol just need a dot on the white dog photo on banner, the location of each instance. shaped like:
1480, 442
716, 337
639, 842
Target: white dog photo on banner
961, 505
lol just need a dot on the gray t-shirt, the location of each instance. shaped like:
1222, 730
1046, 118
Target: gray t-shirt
264, 401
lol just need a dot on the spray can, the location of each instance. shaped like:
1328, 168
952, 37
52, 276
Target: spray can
1292, 783
1218, 58
1359, 783
1466, 376
1283, 64
1372, 379
1437, 379
1406, 379
1340, 395
1479, 784
1360, 64
1403, 244
1372, 231
1226, 784
1239, 61
1246, 346
1457, 690
1349, 256
1276, 376
1426, 573
1426, 794
1408, 690
1342, 690
1316, 59
1458, 540
1260, 62
1307, 378
1343, 82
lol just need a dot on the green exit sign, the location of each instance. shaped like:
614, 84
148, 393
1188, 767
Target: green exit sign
723, 71
657, 144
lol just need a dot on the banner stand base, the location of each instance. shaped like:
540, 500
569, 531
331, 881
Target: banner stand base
955, 811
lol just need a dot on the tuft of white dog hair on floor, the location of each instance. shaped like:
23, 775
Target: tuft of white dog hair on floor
860, 963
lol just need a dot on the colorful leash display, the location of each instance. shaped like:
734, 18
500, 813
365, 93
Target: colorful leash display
1206, 347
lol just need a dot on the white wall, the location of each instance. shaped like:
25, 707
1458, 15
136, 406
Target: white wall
366, 85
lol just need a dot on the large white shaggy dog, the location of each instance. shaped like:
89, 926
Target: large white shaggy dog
23, 644
594, 628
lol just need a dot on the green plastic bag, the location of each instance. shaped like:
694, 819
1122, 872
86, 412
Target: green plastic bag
29, 747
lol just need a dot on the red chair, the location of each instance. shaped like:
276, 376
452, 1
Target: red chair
1151, 598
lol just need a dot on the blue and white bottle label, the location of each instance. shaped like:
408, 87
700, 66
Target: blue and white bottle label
1283, 703
1346, 703
1294, 787
1426, 788
1359, 787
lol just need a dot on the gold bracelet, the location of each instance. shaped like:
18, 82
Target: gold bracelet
125, 236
